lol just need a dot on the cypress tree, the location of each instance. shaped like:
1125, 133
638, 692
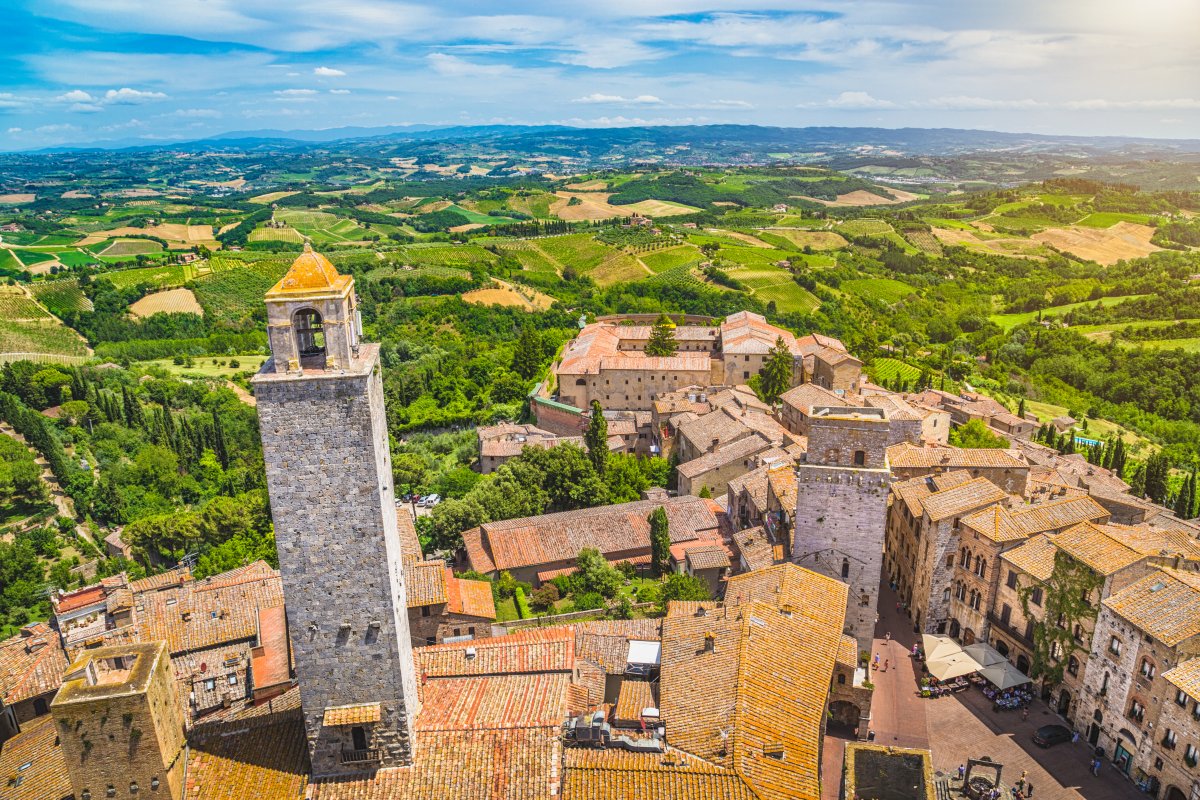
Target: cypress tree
1137, 484
219, 441
596, 439
660, 541
1021, 408
528, 354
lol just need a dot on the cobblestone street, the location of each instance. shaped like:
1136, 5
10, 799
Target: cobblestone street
963, 726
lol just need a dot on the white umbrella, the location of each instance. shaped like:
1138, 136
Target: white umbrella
1004, 675
984, 653
954, 665
936, 646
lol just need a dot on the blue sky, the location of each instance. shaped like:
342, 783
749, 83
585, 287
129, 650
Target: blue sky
88, 70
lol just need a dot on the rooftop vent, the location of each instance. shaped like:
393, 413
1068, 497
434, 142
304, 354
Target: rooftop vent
469, 652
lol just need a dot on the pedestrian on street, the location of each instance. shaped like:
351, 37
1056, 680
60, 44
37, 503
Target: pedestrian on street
1074, 737
1024, 715
887, 637
1029, 790
885, 664
915, 651
875, 663
962, 770
1096, 766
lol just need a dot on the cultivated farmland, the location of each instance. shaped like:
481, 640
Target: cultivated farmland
172, 301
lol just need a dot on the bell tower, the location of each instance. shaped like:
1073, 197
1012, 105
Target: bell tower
329, 475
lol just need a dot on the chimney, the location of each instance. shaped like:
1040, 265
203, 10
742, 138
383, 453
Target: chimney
710, 643
712, 448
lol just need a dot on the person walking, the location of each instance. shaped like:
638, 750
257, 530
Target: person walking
887, 637
875, 663
1024, 715
962, 770
885, 665
1029, 789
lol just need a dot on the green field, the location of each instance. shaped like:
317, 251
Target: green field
161, 277
132, 247
667, 258
321, 227
460, 255
31, 257
1010, 321
865, 227
49, 337
275, 235
884, 289
1106, 219
1187, 345
583, 252
61, 297
8, 260
770, 283
75, 258
234, 296
16, 305
531, 259
209, 366
885, 370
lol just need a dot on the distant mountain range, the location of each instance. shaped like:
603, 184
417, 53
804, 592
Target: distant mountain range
722, 142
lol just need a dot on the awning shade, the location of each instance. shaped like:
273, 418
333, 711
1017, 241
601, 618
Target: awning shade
1004, 675
936, 646
984, 654
952, 666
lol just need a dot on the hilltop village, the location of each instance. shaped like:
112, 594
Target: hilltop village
362, 668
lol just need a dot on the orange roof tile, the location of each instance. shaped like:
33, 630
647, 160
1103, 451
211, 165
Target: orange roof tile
1165, 604
1035, 557
310, 272
426, 583
538, 650
965, 497
468, 597
1096, 547
494, 702
31, 664
634, 697
32, 766
355, 714
1186, 676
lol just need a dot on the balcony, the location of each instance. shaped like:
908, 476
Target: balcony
360, 756
1009, 630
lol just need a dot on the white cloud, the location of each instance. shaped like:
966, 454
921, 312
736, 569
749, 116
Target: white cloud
969, 103
9, 100
328, 72
57, 128
607, 52
1106, 105
127, 96
852, 101
339, 91
197, 113
85, 108
75, 96
295, 92
598, 98
14, 130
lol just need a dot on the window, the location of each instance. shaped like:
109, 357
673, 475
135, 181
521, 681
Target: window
1035, 596
1005, 614
232, 680
1012, 580
841, 680
1114, 646
1148, 669
424, 611
310, 332
358, 736
860, 458
981, 567
1181, 698
1169, 739
1191, 754
964, 558
1137, 711
1103, 688
1073, 665
210, 684
845, 568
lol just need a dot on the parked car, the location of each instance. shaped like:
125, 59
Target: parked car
433, 500
1050, 735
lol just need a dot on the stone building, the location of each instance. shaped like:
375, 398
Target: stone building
329, 476
31, 668
499, 443
446, 608
923, 529
1175, 752
119, 723
1142, 631
983, 537
841, 507
999, 466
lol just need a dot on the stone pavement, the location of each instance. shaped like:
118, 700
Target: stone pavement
963, 725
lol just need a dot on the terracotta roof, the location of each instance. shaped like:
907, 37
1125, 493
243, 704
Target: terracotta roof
410, 545
265, 758
519, 764
1004, 525
910, 456
634, 697
32, 766
759, 688
551, 538
356, 714
739, 450
494, 702
782, 486
1165, 604
807, 593
537, 650
1097, 547
80, 598
848, 653
31, 664
707, 556
606, 642
426, 583
270, 663
961, 499
1035, 557
1186, 676
755, 547
754, 484
310, 272
807, 395
620, 775
747, 332
911, 492
469, 598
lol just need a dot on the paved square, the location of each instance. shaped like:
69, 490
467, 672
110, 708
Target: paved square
962, 726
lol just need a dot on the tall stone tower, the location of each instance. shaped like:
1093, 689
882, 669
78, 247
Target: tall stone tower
841, 507
120, 723
329, 474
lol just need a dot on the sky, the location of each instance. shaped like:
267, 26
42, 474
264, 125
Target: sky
74, 71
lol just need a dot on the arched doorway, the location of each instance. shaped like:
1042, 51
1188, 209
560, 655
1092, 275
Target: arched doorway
955, 629
1002, 647
1023, 664
1175, 793
844, 718
1094, 734
968, 636
1064, 702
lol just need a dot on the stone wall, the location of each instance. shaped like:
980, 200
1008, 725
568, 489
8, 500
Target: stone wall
325, 444
841, 512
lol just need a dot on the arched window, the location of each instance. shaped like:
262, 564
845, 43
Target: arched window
981, 567
1073, 665
310, 333
1002, 647
1148, 669
580, 382
845, 568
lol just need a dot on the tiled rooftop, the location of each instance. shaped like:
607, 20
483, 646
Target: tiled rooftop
1035, 557
31, 664
356, 714
755, 547
739, 450
619, 775
1186, 676
1165, 604
493, 702
606, 642
537, 650
707, 556
965, 497
32, 766
807, 593
1096, 546
426, 583
911, 456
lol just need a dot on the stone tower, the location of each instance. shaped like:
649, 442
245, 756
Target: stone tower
841, 507
120, 724
329, 474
